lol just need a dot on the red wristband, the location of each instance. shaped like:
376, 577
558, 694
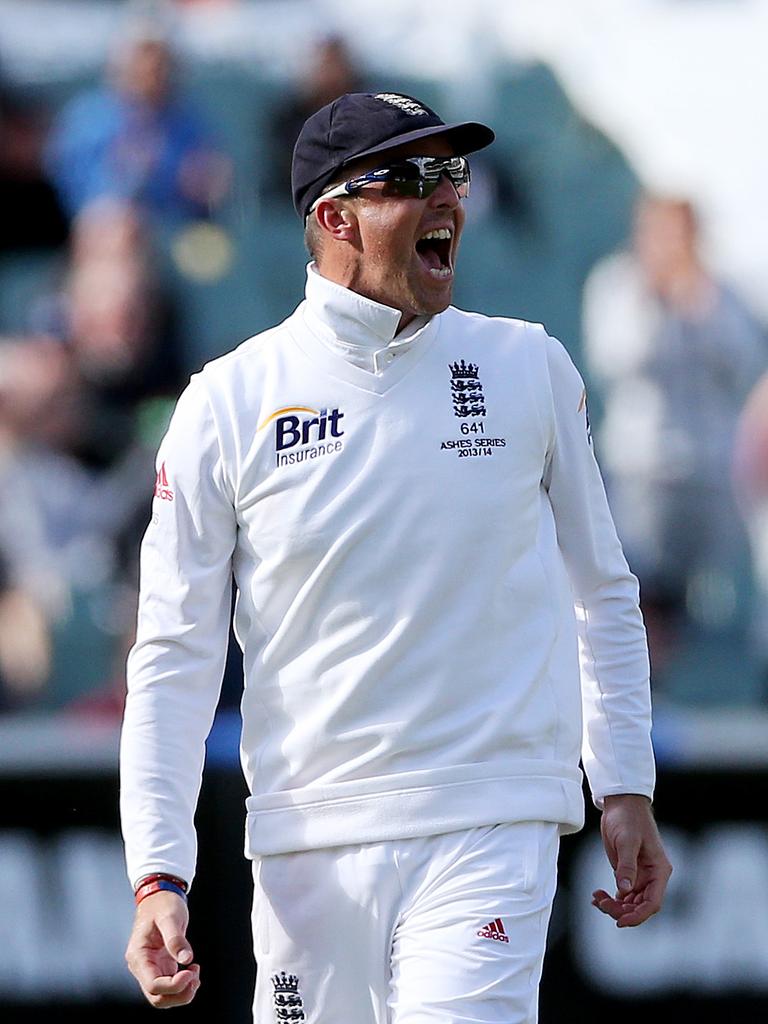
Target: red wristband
160, 885
161, 876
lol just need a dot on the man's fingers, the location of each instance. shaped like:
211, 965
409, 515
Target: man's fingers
626, 866
636, 915
630, 912
146, 968
173, 985
635, 851
614, 907
160, 976
649, 904
607, 904
176, 991
175, 940
159, 955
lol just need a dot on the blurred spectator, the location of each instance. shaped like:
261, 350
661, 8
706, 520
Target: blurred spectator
62, 527
30, 212
138, 138
25, 645
330, 71
81, 408
751, 471
41, 489
674, 353
119, 323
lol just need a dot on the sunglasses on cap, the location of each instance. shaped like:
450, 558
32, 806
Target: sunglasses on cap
414, 177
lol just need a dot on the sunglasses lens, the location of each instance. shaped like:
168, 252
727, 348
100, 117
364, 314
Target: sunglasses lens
457, 170
411, 189
461, 186
418, 177
432, 170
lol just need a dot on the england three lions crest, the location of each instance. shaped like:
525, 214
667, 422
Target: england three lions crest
466, 390
288, 1002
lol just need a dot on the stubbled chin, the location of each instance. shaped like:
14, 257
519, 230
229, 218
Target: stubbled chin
433, 295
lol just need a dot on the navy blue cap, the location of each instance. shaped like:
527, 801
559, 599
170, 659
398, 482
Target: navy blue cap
360, 123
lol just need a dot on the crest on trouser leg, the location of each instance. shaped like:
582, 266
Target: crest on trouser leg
288, 1004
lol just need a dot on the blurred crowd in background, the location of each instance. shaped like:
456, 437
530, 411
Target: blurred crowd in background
147, 227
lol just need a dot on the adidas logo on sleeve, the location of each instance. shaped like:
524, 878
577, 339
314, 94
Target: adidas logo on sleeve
162, 490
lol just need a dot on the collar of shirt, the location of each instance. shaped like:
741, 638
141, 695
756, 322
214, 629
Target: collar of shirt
357, 328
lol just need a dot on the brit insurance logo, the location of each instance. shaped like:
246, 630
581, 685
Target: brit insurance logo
469, 405
303, 433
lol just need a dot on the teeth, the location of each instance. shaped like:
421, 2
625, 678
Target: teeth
439, 233
440, 271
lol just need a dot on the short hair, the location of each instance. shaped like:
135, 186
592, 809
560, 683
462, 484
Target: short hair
313, 238
313, 235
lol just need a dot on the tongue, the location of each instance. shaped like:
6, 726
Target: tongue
430, 259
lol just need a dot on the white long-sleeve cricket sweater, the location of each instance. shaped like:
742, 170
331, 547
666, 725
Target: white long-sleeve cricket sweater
436, 616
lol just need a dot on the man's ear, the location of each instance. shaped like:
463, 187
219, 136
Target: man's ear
337, 220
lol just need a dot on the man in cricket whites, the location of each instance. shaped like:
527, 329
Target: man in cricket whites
437, 621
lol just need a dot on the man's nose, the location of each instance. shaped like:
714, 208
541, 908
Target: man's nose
445, 194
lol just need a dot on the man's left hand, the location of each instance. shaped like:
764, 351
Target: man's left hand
641, 867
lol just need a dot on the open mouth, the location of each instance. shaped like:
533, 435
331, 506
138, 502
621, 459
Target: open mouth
434, 249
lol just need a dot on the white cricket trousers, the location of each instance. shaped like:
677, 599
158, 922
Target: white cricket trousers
447, 929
